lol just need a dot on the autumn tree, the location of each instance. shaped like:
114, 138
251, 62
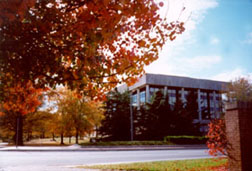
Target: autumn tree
238, 90
76, 114
37, 124
88, 45
20, 102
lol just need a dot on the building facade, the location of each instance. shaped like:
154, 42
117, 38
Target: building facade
209, 93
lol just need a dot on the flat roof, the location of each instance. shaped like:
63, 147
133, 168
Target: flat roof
176, 81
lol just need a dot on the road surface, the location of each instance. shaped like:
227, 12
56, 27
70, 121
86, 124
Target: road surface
63, 161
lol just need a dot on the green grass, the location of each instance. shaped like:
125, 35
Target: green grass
179, 165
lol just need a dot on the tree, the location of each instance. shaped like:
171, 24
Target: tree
155, 118
37, 124
21, 101
88, 45
116, 124
192, 104
188, 127
240, 90
76, 114
10, 9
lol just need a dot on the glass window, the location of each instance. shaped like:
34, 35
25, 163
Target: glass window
134, 99
172, 96
185, 95
212, 105
153, 90
218, 101
204, 105
142, 97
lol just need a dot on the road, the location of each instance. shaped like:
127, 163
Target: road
62, 161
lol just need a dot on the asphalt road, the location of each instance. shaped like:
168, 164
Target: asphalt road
62, 161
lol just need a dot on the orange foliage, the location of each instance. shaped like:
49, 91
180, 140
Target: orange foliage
22, 99
88, 45
217, 142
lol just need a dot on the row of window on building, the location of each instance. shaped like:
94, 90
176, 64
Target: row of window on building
208, 105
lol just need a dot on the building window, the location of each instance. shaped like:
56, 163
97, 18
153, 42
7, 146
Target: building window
153, 90
211, 101
142, 97
134, 99
172, 96
204, 105
185, 95
218, 102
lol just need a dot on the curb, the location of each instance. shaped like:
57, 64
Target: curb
118, 148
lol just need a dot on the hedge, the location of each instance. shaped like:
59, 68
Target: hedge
186, 139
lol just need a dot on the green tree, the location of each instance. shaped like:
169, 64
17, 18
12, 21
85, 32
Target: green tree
157, 119
183, 115
116, 124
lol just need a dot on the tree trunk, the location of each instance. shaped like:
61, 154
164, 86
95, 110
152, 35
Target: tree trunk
96, 132
28, 136
76, 137
19, 131
53, 137
61, 139
43, 134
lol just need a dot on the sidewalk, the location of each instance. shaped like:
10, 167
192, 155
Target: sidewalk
76, 147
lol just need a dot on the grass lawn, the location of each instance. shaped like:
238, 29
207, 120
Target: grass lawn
219, 164
50, 142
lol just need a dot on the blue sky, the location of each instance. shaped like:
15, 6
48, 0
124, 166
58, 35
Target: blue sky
217, 43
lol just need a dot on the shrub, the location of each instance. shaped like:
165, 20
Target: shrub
217, 140
186, 139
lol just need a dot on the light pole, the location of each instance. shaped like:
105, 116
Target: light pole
131, 121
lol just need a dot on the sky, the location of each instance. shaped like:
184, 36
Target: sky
217, 42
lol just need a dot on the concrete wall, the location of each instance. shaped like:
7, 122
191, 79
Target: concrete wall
186, 82
176, 81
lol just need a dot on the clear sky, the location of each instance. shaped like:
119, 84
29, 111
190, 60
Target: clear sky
217, 43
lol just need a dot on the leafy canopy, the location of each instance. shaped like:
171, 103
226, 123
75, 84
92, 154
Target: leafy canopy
90, 45
21, 100
240, 89
75, 113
